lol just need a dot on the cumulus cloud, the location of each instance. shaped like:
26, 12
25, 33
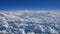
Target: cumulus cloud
28, 22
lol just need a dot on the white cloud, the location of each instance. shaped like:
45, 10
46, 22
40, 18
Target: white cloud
19, 22
22, 31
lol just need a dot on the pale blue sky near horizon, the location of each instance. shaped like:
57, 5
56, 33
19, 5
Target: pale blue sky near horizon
29, 4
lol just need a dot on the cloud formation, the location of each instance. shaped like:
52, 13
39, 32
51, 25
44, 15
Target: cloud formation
29, 22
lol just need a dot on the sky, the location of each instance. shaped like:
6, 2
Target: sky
29, 4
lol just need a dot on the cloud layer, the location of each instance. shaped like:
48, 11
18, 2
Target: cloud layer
30, 22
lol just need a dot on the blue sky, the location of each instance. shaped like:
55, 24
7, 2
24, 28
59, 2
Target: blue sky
29, 4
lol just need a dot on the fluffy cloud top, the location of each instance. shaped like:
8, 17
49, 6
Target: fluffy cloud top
29, 22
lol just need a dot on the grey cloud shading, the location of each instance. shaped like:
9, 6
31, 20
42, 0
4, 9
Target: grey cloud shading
29, 22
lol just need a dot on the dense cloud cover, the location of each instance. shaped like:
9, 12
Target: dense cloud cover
29, 22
